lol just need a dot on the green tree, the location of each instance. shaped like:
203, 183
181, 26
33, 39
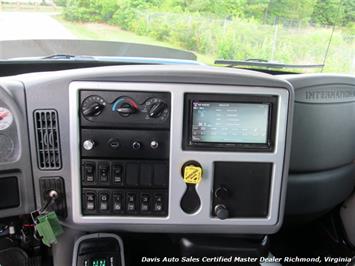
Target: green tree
300, 10
349, 12
256, 9
327, 12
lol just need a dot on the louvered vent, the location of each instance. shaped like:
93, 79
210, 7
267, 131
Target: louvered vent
47, 139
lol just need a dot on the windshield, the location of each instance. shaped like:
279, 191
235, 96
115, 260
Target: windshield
302, 32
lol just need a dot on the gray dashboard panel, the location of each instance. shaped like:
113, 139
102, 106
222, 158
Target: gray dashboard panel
12, 95
178, 157
323, 144
51, 90
324, 119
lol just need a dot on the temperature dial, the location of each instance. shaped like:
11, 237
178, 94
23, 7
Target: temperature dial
6, 118
156, 108
93, 106
125, 106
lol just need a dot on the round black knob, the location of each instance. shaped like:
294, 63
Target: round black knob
221, 211
93, 109
126, 109
157, 109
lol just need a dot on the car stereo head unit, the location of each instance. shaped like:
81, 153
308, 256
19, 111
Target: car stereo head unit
229, 122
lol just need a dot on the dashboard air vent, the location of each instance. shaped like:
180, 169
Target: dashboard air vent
47, 139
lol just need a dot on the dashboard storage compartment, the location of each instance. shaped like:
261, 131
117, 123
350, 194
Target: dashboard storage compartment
241, 189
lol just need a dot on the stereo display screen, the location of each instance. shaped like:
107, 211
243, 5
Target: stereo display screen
223, 122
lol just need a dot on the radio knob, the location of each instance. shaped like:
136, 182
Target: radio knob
157, 109
88, 144
221, 211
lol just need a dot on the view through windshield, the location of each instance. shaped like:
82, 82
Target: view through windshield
283, 31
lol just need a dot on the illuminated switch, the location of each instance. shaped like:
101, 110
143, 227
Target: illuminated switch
90, 201
158, 202
90, 205
117, 206
144, 202
89, 172
103, 172
117, 202
117, 173
104, 199
131, 202
158, 207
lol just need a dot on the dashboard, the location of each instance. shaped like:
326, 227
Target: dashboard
149, 148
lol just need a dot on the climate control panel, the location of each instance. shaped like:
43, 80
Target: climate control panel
113, 109
124, 152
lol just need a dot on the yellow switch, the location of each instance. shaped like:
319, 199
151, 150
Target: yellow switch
192, 174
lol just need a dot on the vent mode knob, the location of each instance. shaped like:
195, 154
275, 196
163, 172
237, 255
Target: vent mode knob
157, 109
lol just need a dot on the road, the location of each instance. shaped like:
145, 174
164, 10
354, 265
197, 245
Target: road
31, 25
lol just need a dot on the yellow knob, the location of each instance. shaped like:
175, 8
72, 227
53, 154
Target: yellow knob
192, 174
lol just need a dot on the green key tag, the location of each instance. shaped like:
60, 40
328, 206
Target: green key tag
49, 228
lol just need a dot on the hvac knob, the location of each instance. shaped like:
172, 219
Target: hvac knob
93, 109
157, 109
127, 109
221, 211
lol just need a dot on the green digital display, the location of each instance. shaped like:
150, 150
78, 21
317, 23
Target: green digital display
222, 122
98, 262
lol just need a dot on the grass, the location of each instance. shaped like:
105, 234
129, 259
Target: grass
297, 46
105, 32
